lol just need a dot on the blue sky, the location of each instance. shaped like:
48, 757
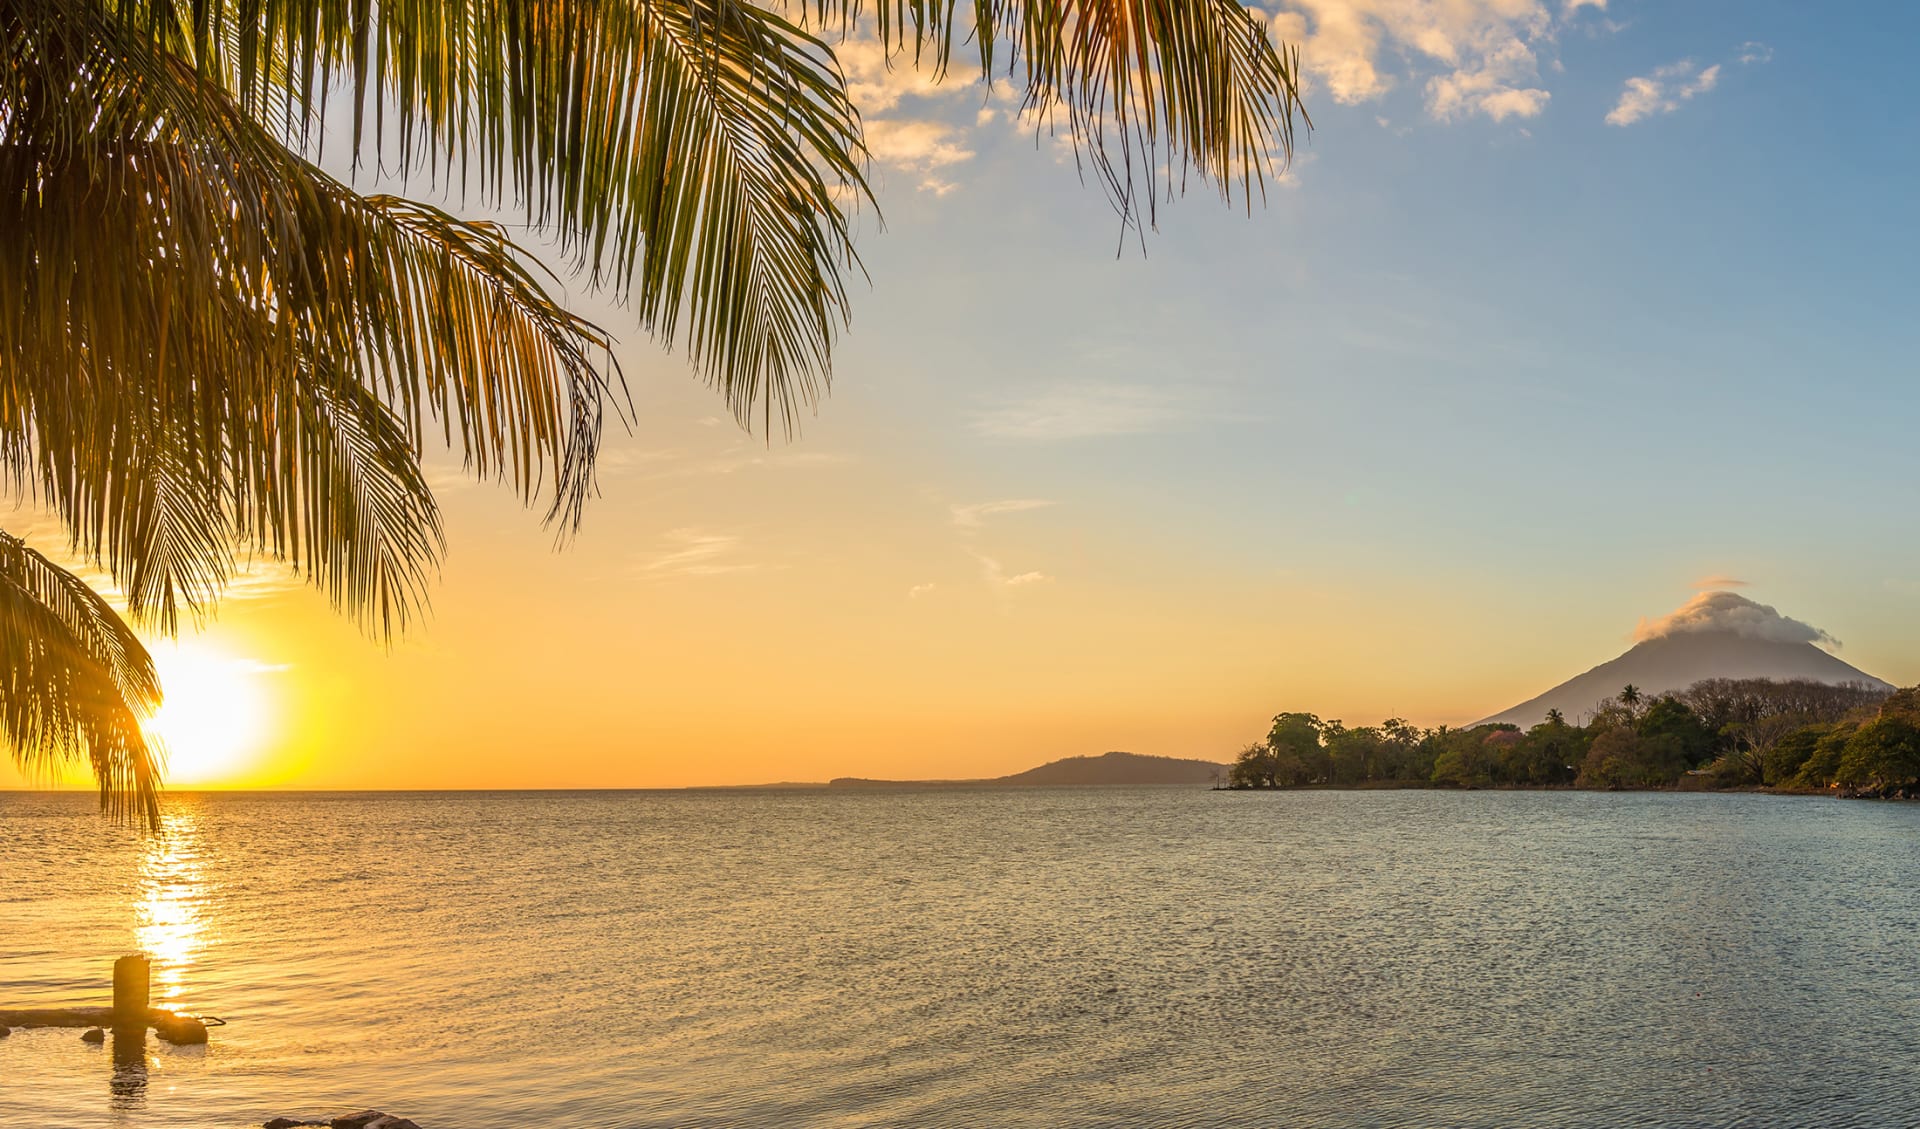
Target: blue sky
1535, 362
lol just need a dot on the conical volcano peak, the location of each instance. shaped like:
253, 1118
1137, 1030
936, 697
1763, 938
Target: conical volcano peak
1715, 635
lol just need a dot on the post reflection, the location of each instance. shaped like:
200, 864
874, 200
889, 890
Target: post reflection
129, 1084
168, 923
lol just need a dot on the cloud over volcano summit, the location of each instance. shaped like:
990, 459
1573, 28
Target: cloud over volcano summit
1732, 612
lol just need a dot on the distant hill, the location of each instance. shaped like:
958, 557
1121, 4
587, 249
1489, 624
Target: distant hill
1110, 768
1119, 768
1677, 661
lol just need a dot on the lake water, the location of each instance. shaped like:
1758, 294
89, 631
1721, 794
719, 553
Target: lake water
1063, 957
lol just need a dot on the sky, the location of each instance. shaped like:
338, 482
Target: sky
1562, 313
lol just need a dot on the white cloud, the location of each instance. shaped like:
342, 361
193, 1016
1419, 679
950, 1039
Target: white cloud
918, 147
920, 590
1661, 92
877, 84
1729, 611
1752, 53
1476, 56
975, 515
1080, 410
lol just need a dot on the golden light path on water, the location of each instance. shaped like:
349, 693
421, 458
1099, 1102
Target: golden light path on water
168, 924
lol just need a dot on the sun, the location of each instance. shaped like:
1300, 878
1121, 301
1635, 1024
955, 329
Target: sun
215, 715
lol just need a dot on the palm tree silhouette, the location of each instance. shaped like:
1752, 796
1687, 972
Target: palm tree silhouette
210, 346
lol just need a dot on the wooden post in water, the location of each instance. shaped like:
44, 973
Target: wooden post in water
132, 976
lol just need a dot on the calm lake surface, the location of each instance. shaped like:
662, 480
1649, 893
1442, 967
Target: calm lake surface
1058, 957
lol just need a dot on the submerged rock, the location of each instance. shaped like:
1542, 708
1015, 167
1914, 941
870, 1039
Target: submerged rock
94, 1035
365, 1119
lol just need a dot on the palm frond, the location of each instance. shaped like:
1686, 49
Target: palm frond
1151, 89
691, 154
75, 683
198, 329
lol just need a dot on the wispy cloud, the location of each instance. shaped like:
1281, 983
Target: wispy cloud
1079, 411
1661, 92
696, 552
975, 515
1667, 88
919, 147
1001, 581
1720, 580
919, 590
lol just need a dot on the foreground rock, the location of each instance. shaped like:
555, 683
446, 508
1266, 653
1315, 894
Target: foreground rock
365, 1119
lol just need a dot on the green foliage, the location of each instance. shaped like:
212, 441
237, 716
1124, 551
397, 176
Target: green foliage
1770, 742
1883, 753
1822, 767
1621, 758
1783, 762
1464, 759
1669, 719
1903, 705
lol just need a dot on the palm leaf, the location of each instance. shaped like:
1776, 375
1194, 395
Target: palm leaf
1152, 89
229, 324
75, 683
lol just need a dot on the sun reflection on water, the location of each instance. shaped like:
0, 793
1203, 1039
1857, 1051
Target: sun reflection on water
168, 924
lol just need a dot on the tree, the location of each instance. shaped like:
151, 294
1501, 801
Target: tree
210, 346
1253, 768
1752, 743
1295, 740
1784, 760
1669, 717
1621, 758
1883, 754
1468, 758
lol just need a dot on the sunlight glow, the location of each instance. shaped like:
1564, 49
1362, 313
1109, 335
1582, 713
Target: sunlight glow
216, 713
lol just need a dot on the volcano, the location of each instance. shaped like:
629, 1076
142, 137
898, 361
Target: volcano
1718, 635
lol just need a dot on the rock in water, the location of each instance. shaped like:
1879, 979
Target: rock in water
365, 1119
181, 1030
5, 1031
94, 1035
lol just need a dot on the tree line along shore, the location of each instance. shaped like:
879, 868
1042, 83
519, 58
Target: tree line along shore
1795, 735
